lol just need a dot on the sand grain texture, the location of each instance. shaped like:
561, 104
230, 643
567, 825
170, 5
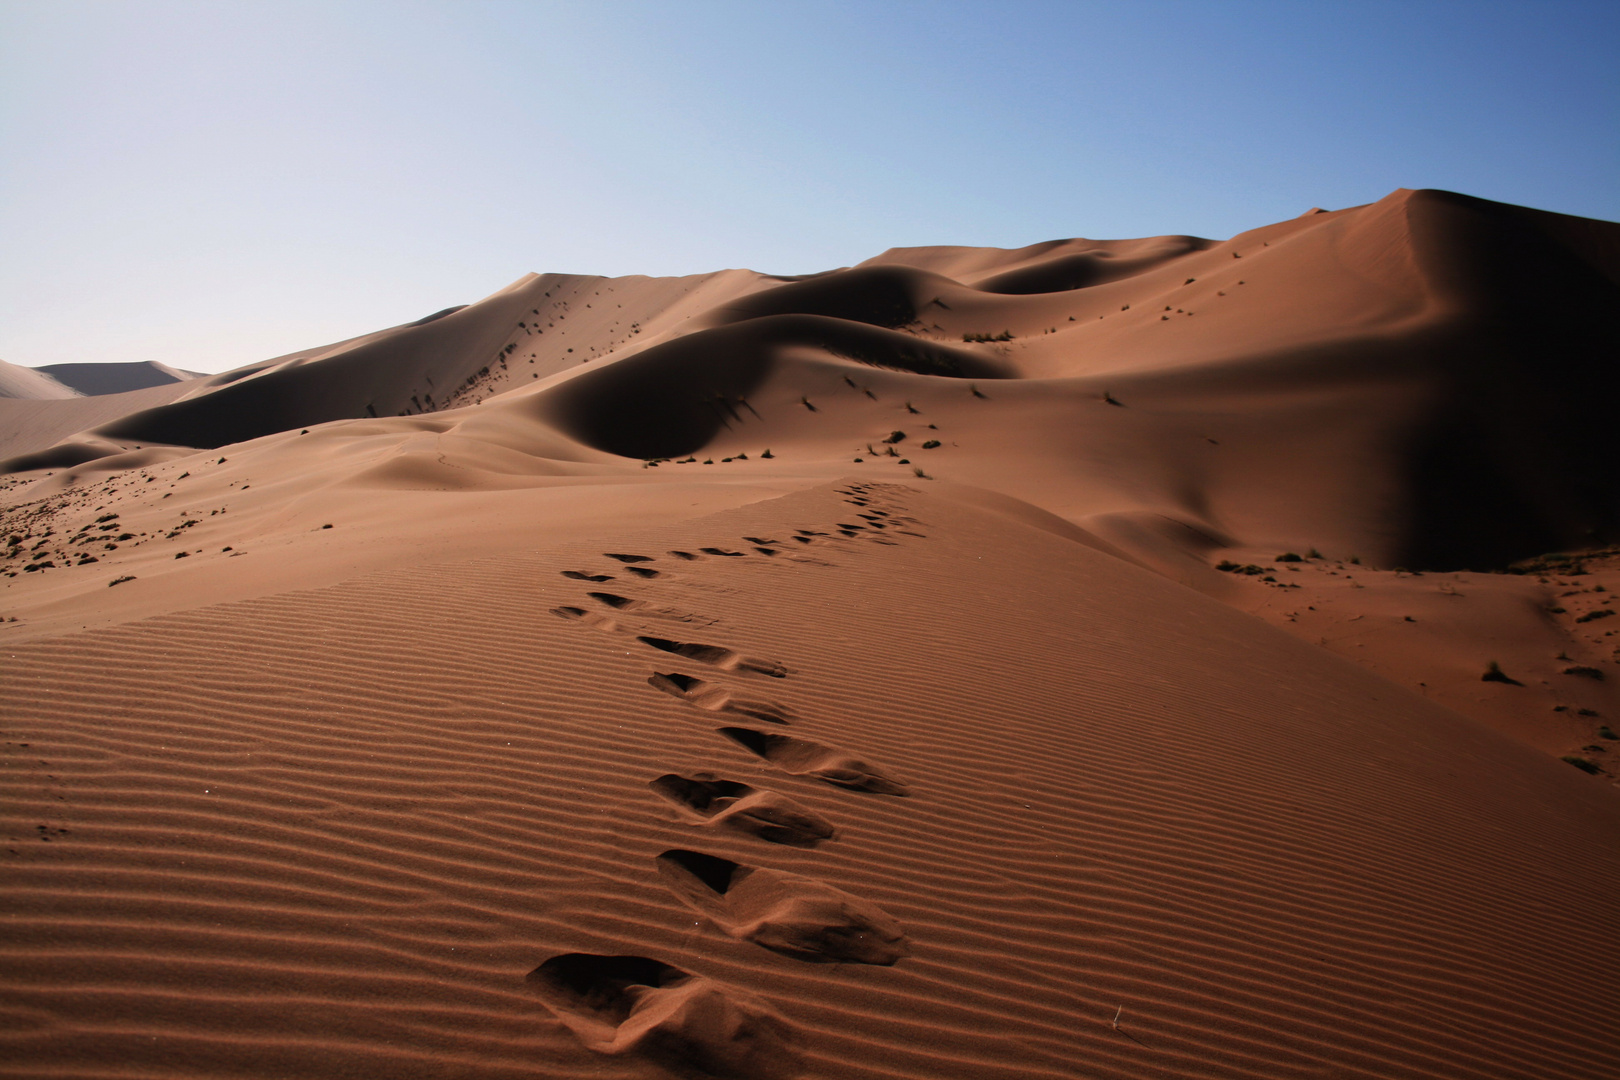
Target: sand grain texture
460, 743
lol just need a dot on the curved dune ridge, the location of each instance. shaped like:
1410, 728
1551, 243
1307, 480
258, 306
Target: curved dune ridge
1144, 658
1182, 845
1400, 348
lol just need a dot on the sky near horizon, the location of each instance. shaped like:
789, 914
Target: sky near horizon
211, 184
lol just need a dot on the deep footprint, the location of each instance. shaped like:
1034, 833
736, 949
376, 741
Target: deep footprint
707, 695
579, 576
786, 913
687, 1023
719, 657
626, 558
644, 572
727, 804
801, 757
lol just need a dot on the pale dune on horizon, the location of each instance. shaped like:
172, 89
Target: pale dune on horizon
1145, 658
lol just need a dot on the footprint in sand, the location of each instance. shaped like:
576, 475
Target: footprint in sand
626, 558
581, 576
786, 913
644, 572
685, 556
644, 610
589, 618
688, 1023
721, 551
707, 695
769, 815
801, 757
717, 656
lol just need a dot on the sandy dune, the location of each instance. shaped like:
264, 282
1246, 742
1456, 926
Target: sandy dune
104, 378
1066, 661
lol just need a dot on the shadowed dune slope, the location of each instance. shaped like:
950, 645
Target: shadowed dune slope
672, 399
1064, 273
115, 378
886, 296
1165, 842
1518, 455
1468, 345
535, 328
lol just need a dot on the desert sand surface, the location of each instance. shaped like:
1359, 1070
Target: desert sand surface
1150, 658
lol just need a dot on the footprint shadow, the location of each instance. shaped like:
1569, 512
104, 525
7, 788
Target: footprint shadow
727, 804
786, 913
644, 610
801, 757
691, 1024
717, 656
707, 695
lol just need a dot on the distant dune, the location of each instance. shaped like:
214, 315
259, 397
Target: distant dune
115, 378
1150, 658
31, 384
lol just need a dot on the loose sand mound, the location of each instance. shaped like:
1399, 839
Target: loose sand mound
1096, 659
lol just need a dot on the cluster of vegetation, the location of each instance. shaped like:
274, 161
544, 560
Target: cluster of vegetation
1005, 335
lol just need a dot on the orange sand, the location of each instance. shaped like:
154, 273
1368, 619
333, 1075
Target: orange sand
604, 679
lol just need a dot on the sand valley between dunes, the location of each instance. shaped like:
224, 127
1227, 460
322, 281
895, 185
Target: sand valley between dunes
1150, 658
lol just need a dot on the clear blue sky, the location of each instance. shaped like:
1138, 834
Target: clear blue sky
209, 184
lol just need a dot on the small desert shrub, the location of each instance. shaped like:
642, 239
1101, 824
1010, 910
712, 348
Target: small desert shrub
1606, 732
930, 444
1593, 616
1494, 673
895, 436
1583, 670
1289, 556
1005, 335
1582, 764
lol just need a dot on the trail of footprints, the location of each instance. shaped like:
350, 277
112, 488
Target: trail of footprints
689, 1022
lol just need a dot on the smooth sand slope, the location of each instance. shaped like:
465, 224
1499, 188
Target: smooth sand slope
889, 672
